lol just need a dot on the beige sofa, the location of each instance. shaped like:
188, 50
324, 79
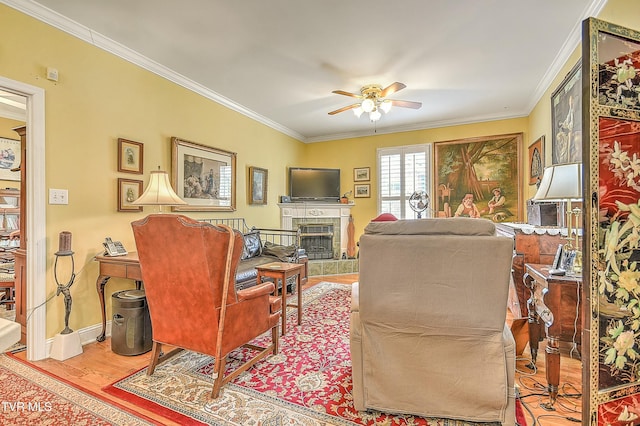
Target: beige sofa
428, 333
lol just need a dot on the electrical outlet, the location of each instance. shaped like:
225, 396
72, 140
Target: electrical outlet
58, 196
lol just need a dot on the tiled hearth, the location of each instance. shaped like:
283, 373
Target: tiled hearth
333, 267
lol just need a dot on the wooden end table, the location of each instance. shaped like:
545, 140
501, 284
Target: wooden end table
281, 271
127, 266
553, 305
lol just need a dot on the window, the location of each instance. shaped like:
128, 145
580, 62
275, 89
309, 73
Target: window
401, 172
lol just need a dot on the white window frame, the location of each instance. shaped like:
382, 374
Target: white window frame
403, 198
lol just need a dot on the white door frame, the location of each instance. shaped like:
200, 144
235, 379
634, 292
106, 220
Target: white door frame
36, 217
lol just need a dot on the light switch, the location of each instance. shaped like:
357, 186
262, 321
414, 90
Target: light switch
58, 196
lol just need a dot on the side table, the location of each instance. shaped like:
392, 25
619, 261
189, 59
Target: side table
127, 266
555, 300
281, 271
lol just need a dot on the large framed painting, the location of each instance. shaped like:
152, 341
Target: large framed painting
9, 159
203, 176
611, 266
479, 177
566, 119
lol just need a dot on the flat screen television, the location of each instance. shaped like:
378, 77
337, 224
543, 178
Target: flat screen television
313, 184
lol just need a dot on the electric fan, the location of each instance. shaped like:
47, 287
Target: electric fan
419, 201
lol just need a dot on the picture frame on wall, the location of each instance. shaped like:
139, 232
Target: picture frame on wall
258, 179
536, 161
130, 156
203, 176
361, 174
129, 190
10, 161
479, 177
362, 190
566, 119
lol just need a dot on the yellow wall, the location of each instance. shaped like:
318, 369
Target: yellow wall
99, 98
348, 154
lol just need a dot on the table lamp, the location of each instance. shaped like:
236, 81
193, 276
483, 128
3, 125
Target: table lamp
563, 183
159, 192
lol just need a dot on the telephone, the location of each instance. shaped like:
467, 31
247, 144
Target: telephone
113, 248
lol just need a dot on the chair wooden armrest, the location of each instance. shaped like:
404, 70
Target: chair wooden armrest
255, 291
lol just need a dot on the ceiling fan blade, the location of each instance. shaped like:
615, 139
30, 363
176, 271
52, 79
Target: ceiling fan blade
342, 92
392, 88
343, 109
406, 104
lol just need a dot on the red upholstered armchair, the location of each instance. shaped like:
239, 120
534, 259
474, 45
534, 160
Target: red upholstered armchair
188, 269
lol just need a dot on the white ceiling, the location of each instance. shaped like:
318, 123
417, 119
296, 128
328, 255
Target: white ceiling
277, 61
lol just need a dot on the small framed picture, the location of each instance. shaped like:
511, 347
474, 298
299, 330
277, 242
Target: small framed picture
10, 159
361, 174
258, 185
362, 190
129, 190
130, 156
536, 161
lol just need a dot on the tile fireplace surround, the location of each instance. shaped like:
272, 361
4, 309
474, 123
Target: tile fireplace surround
313, 213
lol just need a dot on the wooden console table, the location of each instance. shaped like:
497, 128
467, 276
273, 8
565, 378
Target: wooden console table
281, 271
127, 266
555, 303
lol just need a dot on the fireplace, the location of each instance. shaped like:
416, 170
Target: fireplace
294, 215
317, 240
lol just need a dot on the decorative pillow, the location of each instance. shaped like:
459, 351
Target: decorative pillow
276, 250
385, 217
252, 245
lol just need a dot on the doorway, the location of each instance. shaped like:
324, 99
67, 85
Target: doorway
35, 213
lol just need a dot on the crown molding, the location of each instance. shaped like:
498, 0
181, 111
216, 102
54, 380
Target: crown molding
571, 43
98, 40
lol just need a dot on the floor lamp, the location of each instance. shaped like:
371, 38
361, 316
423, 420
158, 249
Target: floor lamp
563, 183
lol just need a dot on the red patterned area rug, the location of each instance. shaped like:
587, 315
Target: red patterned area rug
307, 383
30, 397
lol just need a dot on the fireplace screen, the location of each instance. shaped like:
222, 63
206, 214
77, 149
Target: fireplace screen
317, 240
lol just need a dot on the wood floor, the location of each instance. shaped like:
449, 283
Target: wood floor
98, 366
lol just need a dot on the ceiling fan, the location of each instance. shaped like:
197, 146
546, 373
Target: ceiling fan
374, 100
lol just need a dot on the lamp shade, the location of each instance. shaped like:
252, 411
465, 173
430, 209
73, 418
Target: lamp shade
561, 182
159, 192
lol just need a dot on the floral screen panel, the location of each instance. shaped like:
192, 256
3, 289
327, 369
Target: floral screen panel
611, 159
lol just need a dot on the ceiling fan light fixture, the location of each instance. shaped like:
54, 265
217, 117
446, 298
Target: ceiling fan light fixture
375, 115
358, 111
385, 106
368, 105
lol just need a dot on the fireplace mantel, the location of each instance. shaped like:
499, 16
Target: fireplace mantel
311, 210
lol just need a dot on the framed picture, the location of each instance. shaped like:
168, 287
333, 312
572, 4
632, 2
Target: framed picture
361, 174
130, 156
479, 177
536, 161
257, 185
566, 119
9, 159
129, 190
203, 176
362, 190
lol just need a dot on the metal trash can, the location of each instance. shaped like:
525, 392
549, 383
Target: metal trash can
131, 324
